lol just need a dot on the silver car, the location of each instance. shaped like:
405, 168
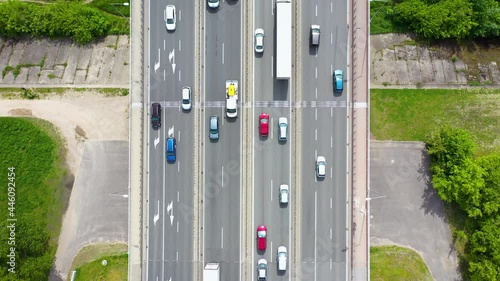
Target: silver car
315, 33
320, 167
259, 40
284, 192
213, 4
262, 269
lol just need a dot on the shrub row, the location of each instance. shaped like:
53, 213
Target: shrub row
75, 20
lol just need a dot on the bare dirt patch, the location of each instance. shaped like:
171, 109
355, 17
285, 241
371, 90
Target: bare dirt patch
80, 116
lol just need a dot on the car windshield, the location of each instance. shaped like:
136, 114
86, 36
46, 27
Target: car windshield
264, 120
231, 110
321, 163
185, 101
315, 30
170, 21
261, 233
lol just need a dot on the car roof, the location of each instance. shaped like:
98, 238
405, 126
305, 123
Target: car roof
284, 186
259, 30
281, 249
321, 158
283, 120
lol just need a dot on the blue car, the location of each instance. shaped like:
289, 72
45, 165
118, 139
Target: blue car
171, 148
338, 81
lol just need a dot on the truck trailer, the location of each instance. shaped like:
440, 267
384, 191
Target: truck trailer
211, 272
283, 39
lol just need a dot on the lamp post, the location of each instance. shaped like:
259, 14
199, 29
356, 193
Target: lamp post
126, 4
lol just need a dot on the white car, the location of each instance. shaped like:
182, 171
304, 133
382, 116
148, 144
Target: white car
186, 98
284, 191
281, 258
213, 4
320, 167
282, 128
170, 18
259, 40
262, 269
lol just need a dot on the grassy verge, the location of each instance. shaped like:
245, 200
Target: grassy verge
89, 262
392, 263
411, 114
37, 93
42, 186
381, 20
114, 7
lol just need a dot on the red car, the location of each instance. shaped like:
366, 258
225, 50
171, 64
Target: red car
264, 124
261, 237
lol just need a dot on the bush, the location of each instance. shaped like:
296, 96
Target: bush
75, 20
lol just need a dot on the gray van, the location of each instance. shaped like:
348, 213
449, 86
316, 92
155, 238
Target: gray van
214, 127
314, 36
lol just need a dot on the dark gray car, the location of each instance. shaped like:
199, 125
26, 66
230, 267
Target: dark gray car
156, 115
213, 127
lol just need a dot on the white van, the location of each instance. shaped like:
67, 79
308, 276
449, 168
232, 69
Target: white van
281, 258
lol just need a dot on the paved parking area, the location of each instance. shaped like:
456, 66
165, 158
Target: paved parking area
98, 208
405, 210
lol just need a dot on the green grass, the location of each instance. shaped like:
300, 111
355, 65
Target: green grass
36, 151
116, 269
411, 114
117, 10
392, 263
381, 20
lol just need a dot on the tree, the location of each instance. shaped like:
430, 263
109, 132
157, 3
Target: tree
487, 16
485, 251
490, 194
437, 20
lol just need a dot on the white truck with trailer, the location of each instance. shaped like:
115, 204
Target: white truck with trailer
211, 272
232, 98
283, 39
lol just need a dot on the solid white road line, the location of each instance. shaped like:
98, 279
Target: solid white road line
222, 238
271, 190
315, 230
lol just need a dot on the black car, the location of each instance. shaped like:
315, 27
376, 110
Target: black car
156, 115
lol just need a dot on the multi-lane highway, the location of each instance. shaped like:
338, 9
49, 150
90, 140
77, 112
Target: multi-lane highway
222, 163
324, 124
170, 221
272, 159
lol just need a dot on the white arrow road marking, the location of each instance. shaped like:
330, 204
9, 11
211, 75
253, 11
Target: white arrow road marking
171, 132
170, 211
171, 59
157, 215
157, 64
157, 139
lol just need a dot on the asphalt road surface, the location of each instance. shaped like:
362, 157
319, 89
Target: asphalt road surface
170, 220
325, 133
222, 159
272, 166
